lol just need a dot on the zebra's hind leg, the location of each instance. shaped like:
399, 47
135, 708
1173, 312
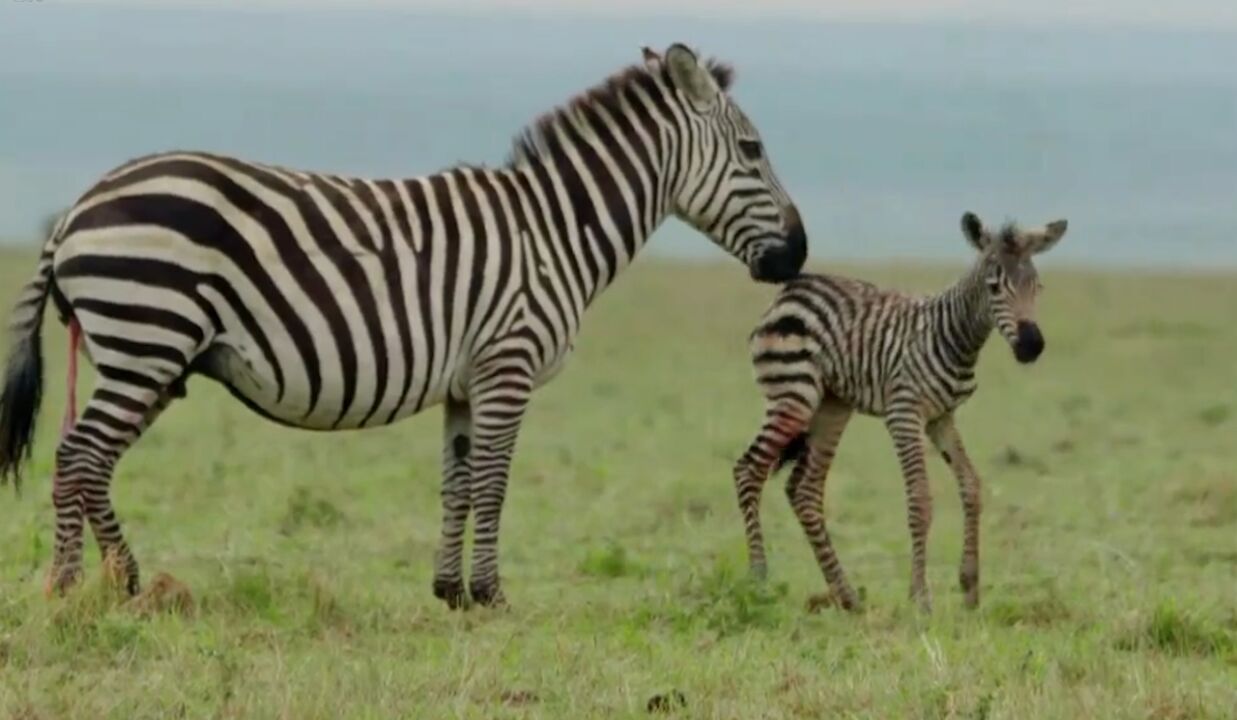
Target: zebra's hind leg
125, 402
500, 395
103, 523
456, 503
806, 491
784, 421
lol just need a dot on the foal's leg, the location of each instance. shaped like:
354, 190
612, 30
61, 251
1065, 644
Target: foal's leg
905, 426
784, 421
456, 502
806, 491
944, 435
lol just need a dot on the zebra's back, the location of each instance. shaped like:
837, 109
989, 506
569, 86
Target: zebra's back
323, 301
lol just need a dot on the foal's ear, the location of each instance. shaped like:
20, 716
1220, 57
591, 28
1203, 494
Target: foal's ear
973, 230
1045, 239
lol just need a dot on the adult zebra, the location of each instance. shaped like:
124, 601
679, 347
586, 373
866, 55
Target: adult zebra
330, 303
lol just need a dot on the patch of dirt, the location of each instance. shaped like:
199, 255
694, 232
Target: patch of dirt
164, 594
518, 698
669, 702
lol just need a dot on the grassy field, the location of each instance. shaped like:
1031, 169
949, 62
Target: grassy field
1109, 539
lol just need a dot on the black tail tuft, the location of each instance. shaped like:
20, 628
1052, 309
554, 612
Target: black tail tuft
794, 450
19, 405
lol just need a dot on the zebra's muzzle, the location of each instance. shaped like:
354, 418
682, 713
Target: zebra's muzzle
784, 261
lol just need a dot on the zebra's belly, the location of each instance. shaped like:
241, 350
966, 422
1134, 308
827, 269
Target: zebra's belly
946, 400
865, 398
253, 383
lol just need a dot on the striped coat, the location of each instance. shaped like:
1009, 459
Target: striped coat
328, 303
831, 346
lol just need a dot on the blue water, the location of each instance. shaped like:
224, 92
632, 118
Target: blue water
884, 134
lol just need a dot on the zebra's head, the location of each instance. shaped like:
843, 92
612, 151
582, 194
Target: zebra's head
724, 185
1010, 279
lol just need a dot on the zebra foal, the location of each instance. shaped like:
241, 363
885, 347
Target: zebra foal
332, 303
830, 346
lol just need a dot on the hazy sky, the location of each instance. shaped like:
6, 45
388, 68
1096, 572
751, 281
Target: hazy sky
1190, 13
1117, 114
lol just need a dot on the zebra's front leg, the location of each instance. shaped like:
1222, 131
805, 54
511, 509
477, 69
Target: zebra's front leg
500, 396
456, 503
945, 436
905, 426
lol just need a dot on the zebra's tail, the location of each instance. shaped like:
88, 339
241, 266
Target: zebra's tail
794, 450
23, 373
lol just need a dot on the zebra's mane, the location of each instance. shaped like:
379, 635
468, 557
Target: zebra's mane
1007, 236
531, 142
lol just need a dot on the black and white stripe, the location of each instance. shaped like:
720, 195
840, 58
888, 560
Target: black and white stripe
332, 303
831, 346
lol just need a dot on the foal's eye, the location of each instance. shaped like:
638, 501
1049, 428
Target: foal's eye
751, 149
994, 285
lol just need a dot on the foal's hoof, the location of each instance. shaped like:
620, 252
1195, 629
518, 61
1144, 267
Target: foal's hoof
451, 591
970, 589
488, 594
971, 599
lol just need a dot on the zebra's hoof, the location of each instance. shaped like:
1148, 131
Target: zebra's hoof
60, 581
121, 572
488, 595
451, 591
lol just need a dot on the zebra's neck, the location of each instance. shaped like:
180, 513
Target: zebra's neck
960, 318
601, 198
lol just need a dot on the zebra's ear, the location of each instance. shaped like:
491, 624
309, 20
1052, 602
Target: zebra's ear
691, 77
651, 59
1045, 239
973, 230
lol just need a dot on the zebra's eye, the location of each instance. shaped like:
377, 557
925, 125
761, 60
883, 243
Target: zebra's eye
751, 150
994, 285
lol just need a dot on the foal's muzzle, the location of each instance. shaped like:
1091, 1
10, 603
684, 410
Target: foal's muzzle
1030, 342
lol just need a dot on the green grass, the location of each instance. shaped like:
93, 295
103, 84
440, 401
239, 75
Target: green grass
1109, 559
